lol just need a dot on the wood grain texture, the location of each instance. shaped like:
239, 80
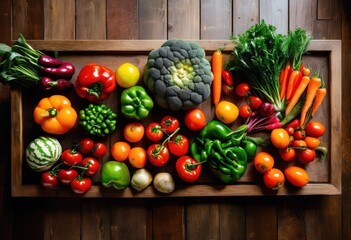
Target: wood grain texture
90, 19
29, 19
275, 12
216, 19
183, 19
152, 19
122, 19
245, 14
301, 15
59, 19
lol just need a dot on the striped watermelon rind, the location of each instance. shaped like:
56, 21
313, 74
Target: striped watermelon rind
42, 153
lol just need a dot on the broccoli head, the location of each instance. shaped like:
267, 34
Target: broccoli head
179, 75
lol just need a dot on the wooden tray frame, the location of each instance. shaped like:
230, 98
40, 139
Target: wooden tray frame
331, 47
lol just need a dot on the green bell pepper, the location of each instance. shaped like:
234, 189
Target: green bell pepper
136, 103
115, 174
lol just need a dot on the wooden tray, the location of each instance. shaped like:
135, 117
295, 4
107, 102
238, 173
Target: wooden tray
324, 55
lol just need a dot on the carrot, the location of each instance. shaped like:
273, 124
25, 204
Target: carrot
284, 80
292, 80
312, 89
321, 92
217, 67
296, 83
299, 91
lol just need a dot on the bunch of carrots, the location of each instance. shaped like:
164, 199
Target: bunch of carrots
299, 85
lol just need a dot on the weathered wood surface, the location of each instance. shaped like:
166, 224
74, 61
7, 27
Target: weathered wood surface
268, 217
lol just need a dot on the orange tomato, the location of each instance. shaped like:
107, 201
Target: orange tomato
137, 157
280, 138
133, 131
226, 112
297, 176
55, 114
195, 119
312, 142
274, 179
120, 151
263, 162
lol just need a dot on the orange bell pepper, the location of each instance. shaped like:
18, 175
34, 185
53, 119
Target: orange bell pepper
55, 114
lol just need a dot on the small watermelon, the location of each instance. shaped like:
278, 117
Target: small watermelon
42, 153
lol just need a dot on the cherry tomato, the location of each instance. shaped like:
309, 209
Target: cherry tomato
242, 89
169, 123
158, 154
66, 176
263, 162
99, 150
254, 102
297, 176
315, 129
81, 185
290, 131
133, 131
274, 179
71, 157
280, 138
86, 145
188, 169
306, 156
299, 143
227, 77
299, 134
245, 111
227, 89
195, 119
49, 180
92, 165
154, 131
287, 154
312, 142
178, 145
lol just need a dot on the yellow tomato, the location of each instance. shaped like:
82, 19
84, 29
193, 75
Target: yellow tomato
226, 112
127, 75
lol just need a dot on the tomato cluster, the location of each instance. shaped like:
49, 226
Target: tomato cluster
78, 164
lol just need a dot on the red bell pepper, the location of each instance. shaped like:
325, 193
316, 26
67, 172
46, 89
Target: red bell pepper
95, 82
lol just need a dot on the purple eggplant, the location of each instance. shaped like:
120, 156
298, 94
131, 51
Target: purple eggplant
60, 84
66, 71
47, 61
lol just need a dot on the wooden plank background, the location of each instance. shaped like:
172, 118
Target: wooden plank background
309, 217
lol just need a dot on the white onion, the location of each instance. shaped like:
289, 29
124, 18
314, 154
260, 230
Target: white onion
141, 179
164, 182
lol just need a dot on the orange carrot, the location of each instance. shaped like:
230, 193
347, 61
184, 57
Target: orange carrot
292, 80
296, 83
312, 89
284, 80
299, 91
217, 67
321, 92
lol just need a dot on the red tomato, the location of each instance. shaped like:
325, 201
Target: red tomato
154, 131
299, 143
280, 138
299, 134
306, 156
178, 145
245, 111
66, 176
287, 154
296, 176
195, 119
48, 180
274, 179
92, 166
254, 102
227, 89
158, 154
86, 145
315, 129
242, 89
263, 162
81, 185
290, 131
99, 150
188, 169
71, 157
169, 123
